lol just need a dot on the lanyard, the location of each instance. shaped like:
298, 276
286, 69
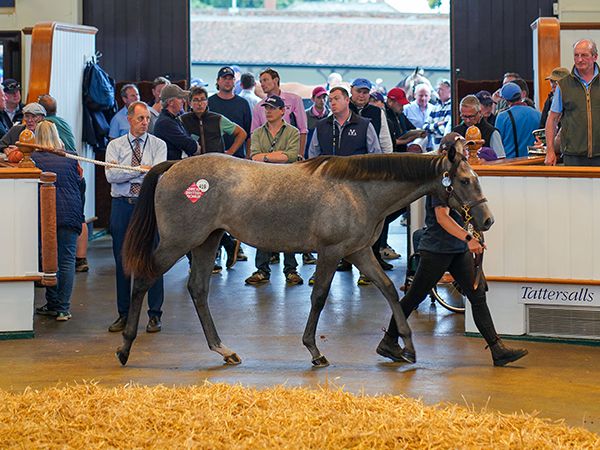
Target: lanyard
277, 136
143, 148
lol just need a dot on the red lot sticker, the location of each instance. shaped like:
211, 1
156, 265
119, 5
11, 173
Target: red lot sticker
193, 193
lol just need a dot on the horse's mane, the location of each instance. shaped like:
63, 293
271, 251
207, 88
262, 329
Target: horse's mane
405, 167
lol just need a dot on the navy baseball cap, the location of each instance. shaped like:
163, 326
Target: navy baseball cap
360, 83
225, 71
10, 85
274, 101
377, 96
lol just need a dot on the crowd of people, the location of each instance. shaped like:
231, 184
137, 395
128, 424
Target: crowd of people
343, 119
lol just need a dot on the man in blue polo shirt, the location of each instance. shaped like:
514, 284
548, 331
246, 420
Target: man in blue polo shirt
119, 126
517, 122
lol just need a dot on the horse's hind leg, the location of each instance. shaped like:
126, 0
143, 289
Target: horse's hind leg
366, 262
203, 258
326, 265
165, 258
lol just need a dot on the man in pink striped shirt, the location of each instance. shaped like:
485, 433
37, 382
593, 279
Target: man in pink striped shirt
294, 108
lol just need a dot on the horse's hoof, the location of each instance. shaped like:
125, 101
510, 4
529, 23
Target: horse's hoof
232, 360
320, 362
123, 356
409, 357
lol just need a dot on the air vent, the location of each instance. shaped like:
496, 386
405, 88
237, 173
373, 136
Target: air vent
583, 323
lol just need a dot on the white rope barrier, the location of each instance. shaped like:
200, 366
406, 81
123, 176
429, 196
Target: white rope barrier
106, 164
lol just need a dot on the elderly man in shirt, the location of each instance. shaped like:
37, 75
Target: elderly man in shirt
136, 148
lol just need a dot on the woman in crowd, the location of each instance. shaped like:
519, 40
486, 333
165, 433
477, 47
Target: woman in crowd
69, 217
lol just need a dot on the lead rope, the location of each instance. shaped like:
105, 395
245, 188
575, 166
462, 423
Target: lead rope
478, 259
105, 164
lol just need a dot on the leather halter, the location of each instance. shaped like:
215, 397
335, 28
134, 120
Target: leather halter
465, 206
447, 180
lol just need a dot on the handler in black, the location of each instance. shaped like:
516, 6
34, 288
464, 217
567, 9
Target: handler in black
447, 247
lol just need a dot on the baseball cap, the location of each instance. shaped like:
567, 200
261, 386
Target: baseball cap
274, 101
34, 108
173, 91
377, 96
510, 92
558, 73
398, 95
318, 91
360, 83
11, 85
485, 98
225, 71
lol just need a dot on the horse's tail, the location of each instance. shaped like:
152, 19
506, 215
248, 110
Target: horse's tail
141, 232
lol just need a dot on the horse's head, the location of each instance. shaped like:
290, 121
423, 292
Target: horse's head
461, 185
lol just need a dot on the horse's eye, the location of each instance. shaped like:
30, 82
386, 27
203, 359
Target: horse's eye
465, 181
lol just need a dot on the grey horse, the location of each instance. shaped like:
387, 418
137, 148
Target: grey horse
332, 205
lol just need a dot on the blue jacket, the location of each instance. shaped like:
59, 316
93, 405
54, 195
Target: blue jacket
526, 119
170, 129
69, 205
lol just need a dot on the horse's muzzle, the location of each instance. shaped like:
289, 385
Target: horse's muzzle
487, 224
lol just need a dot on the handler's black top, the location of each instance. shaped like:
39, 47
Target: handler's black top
436, 239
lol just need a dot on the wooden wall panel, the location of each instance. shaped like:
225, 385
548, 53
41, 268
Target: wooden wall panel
141, 39
491, 37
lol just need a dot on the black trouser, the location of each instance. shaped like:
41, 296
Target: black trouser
460, 265
227, 242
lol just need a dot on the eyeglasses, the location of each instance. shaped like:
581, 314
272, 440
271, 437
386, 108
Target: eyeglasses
464, 116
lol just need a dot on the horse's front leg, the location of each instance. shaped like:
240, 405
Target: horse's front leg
203, 258
326, 265
366, 262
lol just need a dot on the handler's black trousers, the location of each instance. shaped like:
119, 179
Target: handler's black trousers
460, 265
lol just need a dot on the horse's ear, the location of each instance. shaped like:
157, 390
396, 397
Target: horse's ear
451, 149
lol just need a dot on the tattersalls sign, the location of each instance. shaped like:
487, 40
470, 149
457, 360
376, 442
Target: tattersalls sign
572, 295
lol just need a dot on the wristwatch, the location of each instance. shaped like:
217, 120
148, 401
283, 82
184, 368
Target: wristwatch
265, 159
468, 237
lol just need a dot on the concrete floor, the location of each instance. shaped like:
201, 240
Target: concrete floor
264, 326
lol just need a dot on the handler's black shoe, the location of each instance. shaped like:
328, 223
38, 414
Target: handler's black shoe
502, 355
154, 325
118, 325
388, 348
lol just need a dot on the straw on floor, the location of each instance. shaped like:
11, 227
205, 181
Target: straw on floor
221, 416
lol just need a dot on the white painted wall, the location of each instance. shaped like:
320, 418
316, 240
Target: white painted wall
29, 12
578, 11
